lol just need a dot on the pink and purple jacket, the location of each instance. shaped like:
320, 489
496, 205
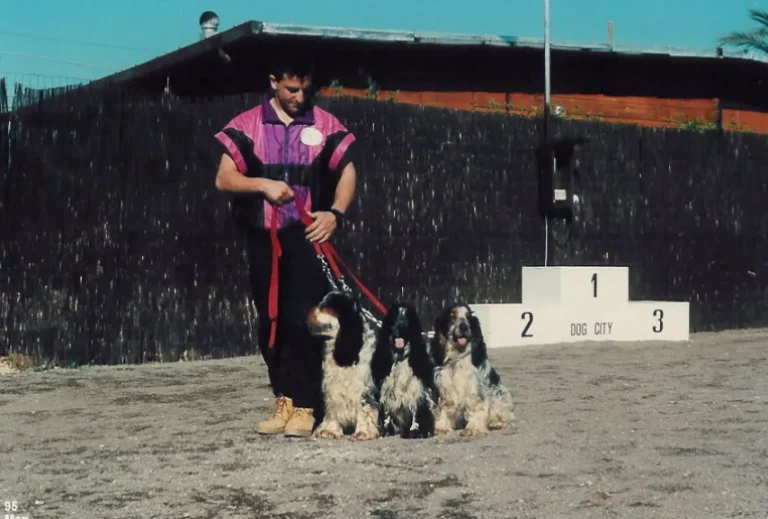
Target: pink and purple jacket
309, 155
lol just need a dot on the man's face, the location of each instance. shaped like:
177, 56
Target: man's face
292, 93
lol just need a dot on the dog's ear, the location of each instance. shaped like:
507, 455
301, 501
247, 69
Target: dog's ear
479, 349
437, 343
381, 363
414, 323
349, 340
387, 323
420, 360
416, 333
443, 320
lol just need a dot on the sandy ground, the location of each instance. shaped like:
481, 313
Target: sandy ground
605, 430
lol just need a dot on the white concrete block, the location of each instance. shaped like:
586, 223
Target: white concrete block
510, 325
575, 285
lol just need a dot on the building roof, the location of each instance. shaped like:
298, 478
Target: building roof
458, 39
196, 62
257, 29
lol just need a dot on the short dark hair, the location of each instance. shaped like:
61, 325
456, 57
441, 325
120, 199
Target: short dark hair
292, 63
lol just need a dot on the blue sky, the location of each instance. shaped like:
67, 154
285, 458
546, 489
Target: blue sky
41, 36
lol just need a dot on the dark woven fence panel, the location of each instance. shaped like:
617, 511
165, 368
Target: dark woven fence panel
683, 209
447, 206
5, 237
120, 250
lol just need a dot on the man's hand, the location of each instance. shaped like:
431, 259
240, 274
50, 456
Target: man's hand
277, 191
322, 228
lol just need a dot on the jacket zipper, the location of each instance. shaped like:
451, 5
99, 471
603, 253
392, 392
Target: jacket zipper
285, 153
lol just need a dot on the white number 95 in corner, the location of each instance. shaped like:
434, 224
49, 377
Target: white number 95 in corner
10, 509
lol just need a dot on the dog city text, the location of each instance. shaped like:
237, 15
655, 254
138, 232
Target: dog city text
597, 328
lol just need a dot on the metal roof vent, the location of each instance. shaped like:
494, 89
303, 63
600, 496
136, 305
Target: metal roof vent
209, 23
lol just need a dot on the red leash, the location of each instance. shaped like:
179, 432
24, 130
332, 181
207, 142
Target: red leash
277, 251
323, 250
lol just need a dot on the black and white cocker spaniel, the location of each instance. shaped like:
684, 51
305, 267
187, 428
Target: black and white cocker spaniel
471, 392
403, 376
348, 390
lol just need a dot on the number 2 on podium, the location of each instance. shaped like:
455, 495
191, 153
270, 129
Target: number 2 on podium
529, 316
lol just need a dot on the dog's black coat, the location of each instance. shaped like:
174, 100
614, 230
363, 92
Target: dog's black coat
406, 405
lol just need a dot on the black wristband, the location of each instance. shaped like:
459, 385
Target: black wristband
339, 217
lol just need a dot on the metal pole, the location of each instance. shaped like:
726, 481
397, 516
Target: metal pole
547, 93
547, 80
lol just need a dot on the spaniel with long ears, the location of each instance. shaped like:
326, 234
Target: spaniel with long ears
472, 395
403, 375
348, 389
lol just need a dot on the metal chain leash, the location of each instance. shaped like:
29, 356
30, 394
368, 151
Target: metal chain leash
371, 318
327, 270
344, 287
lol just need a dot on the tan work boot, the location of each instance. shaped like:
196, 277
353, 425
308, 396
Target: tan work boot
300, 423
281, 413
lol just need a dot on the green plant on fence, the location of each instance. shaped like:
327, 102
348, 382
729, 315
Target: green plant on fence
373, 89
733, 125
392, 96
692, 124
737, 127
336, 87
576, 114
589, 117
494, 105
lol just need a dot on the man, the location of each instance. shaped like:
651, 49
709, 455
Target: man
283, 152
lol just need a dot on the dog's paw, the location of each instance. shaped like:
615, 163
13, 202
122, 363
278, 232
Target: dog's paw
326, 434
362, 435
471, 432
416, 435
497, 426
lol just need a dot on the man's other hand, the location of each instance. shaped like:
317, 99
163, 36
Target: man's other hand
322, 228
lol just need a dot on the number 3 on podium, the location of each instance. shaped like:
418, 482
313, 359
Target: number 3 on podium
659, 315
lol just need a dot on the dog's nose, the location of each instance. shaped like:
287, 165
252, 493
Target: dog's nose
463, 327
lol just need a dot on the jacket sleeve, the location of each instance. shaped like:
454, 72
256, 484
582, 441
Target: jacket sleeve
343, 146
236, 140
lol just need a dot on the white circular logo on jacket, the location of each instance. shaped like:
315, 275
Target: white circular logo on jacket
311, 136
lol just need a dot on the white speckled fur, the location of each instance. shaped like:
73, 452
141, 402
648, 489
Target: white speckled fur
501, 413
466, 392
461, 398
401, 395
348, 390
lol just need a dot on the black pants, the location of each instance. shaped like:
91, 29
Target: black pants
295, 362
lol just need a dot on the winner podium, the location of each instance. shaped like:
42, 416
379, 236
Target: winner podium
576, 304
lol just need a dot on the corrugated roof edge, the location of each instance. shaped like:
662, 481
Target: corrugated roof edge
438, 38
256, 28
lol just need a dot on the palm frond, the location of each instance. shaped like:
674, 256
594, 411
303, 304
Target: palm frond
760, 16
757, 39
